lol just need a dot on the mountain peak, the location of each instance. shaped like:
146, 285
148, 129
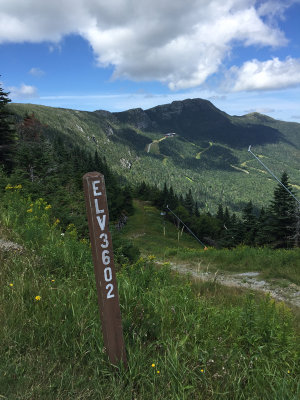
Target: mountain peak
257, 117
135, 116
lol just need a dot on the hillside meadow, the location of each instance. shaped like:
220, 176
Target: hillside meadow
183, 341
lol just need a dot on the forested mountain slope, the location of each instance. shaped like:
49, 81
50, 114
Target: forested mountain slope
208, 153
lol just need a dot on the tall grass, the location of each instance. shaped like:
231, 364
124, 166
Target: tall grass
145, 228
270, 263
180, 345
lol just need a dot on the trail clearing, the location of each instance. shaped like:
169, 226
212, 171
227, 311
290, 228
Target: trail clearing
282, 291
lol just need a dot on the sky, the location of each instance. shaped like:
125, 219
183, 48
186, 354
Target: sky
242, 55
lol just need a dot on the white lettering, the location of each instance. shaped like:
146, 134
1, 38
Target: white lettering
105, 257
94, 183
107, 274
104, 237
97, 207
101, 222
111, 288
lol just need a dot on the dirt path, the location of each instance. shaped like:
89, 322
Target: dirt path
6, 245
290, 293
155, 141
198, 155
149, 147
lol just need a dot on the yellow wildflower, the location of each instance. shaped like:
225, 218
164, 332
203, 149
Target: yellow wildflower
8, 187
37, 298
11, 284
71, 227
158, 372
202, 370
48, 207
18, 187
56, 222
52, 280
30, 210
153, 365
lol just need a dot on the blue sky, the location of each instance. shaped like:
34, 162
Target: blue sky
243, 55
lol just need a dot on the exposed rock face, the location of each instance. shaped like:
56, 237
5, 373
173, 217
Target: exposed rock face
104, 114
125, 163
136, 117
167, 116
108, 129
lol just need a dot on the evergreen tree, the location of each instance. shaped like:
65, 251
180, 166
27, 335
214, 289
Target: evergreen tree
142, 191
249, 224
7, 133
220, 213
234, 231
296, 231
226, 218
165, 196
189, 203
34, 154
283, 214
197, 214
161, 198
172, 200
264, 233
98, 164
128, 206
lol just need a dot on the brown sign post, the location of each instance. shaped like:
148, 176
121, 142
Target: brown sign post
102, 251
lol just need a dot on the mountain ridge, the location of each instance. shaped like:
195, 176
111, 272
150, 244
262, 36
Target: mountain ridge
208, 154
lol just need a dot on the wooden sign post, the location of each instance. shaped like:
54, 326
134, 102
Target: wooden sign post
102, 251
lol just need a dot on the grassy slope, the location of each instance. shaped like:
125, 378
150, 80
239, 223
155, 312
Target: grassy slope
202, 344
221, 174
145, 229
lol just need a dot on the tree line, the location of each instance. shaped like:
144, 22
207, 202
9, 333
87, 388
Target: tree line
277, 225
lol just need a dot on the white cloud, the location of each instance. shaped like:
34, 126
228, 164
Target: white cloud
266, 75
272, 9
55, 47
180, 43
23, 92
36, 72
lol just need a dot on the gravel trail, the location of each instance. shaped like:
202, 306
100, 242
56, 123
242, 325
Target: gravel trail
6, 245
287, 291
